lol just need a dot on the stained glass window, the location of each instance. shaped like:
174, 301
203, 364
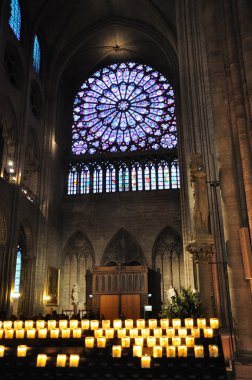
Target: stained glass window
18, 270
175, 180
36, 55
110, 179
97, 180
72, 181
163, 176
124, 107
123, 178
85, 180
15, 18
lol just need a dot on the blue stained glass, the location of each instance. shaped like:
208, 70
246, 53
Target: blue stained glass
175, 180
97, 180
85, 181
110, 179
124, 97
72, 181
18, 270
15, 18
36, 55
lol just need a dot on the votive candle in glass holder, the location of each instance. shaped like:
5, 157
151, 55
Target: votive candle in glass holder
128, 323
1, 324
61, 360
163, 341
85, 323
51, 324
199, 351
94, 324
74, 323
164, 323
125, 342
121, 333
201, 323
77, 333
42, 333
117, 324
152, 323
29, 324
63, 324
182, 332
170, 333
54, 333
21, 351
116, 351
195, 332
31, 333
213, 350
208, 333
109, 333
65, 333
101, 342
157, 332
137, 351
133, 333
214, 323
145, 332
145, 361
139, 341
105, 323
98, 333
1, 333
9, 333
176, 323
20, 333
157, 352
2, 348
140, 323
182, 351
190, 342
40, 324
176, 341
171, 352
18, 325
89, 342
189, 323
151, 341
41, 360
74, 360
7, 325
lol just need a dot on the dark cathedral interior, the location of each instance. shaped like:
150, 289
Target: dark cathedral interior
126, 185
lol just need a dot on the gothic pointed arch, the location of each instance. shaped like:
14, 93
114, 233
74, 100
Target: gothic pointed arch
123, 249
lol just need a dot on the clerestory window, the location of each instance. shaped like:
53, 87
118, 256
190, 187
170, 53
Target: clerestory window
15, 18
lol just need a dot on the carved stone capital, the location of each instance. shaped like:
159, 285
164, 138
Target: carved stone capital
202, 248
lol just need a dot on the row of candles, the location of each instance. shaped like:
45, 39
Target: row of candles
87, 324
109, 333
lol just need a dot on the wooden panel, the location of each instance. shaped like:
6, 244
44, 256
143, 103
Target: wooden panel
130, 304
109, 306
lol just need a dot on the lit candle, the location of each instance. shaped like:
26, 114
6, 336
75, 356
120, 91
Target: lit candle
182, 333
152, 323
74, 360
74, 324
1, 324
31, 333
63, 323
214, 323
116, 351
8, 334
157, 332
77, 333
176, 341
151, 341
40, 324
94, 324
109, 333
42, 333
98, 333
29, 324
7, 325
20, 333
145, 333
164, 323
182, 351
41, 360
125, 341
121, 333
195, 332
163, 341
145, 361
101, 342
140, 323
1, 333
190, 341
137, 351
85, 324
117, 324
61, 360
128, 323
170, 333
54, 333
176, 322
2, 351
89, 342
139, 341
133, 333
105, 323
65, 333
189, 323
199, 351
171, 352
51, 324
208, 333
18, 325
157, 352
201, 323
21, 351
213, 351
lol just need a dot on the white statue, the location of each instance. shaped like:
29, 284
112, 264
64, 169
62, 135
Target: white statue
75, 294
170, 293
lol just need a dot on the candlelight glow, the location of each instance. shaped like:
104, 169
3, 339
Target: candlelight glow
21, 351
61, 360
137, 351
213, 351
201, 323
41, 360
74, 360
89, 342
145, 361
116, 351
164, 323
199, 351
214, 323
157, 352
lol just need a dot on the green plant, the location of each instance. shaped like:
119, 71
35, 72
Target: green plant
184, 304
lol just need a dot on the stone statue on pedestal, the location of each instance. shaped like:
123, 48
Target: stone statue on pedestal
75, 297
170, 293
